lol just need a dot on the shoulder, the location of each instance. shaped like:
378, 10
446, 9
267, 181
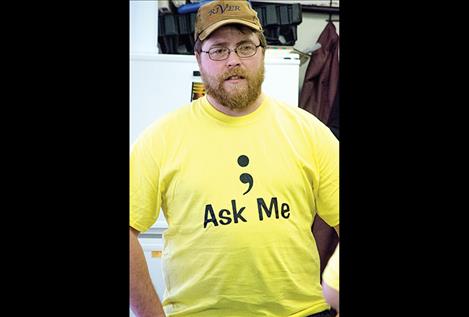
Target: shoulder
303, 125
175, 117
169, 121
165, 127
295, 113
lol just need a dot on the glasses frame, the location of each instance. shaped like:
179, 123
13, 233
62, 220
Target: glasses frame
230, 51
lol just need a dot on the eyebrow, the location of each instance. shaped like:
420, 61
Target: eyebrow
225, 43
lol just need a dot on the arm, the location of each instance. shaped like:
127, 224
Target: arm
331, 295
330, 281
144, 300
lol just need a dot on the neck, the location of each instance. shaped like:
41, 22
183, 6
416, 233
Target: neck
236, 112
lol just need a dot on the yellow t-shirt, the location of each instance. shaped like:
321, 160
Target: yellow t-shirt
331, 272
239, 195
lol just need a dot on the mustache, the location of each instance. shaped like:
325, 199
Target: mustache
234, 72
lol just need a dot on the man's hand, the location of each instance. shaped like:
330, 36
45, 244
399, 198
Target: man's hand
144, 300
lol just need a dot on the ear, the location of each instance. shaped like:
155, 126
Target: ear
197, 57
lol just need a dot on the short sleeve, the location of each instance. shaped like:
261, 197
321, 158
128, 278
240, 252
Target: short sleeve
145, 191
327, 193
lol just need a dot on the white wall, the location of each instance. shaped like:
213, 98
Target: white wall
143, 27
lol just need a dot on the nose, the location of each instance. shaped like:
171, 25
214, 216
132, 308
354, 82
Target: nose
233, 59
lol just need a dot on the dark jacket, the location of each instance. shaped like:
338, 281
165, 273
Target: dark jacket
322, 76
318, 96
333, 122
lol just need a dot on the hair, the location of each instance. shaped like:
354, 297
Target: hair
241, 28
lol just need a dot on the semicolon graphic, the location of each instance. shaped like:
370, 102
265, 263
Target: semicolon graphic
245, 178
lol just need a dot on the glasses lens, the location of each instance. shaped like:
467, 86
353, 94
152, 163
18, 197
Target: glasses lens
246, 50
218, 53
222, 53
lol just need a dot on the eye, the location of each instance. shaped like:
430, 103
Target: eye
217, 50
246, 48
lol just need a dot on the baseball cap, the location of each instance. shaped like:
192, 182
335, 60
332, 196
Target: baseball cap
217, 13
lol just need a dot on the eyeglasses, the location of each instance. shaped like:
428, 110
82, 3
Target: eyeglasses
243, 51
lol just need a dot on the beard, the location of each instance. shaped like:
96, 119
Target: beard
239, 96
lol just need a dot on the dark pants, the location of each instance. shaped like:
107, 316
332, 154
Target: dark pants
325, 313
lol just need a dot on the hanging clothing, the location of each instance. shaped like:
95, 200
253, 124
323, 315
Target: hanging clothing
322, 76
333, 122
319, 96
326, 240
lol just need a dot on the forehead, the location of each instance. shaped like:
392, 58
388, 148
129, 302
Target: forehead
230, 34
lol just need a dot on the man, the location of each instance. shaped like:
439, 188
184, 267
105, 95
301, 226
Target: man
239, 177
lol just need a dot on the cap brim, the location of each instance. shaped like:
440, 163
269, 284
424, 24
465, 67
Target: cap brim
203, 35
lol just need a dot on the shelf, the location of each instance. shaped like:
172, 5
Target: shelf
320, 9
